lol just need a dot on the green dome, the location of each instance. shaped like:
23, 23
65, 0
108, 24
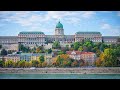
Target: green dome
59, 25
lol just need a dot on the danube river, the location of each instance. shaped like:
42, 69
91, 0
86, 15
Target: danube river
59, 76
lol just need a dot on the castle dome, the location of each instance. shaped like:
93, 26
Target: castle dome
59, 25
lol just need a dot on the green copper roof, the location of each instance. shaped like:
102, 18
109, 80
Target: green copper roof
87, 33
59, 25
31, 33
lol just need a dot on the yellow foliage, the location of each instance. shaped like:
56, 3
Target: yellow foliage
102, 56
64, 56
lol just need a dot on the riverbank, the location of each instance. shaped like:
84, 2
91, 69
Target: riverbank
95, 70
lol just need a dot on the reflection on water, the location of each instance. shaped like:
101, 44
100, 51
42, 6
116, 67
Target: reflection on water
59, 76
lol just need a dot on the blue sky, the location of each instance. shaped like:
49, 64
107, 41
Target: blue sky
13, 22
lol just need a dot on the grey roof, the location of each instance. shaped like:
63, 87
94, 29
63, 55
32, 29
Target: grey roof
87, 33
32, 54
9, 37
31, 33
110, 37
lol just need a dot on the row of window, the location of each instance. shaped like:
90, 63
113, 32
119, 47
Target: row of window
31, 35
10, 41
33, 43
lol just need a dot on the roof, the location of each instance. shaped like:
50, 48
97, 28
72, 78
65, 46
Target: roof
73, 52
110, 37
32, 54
27, 54
87, 33
59, 25
31, 33
8, 37
78, 52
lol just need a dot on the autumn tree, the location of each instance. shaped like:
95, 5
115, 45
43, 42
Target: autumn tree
21, 63
9, 63
80, 48
74, 64
44, 64
1, 63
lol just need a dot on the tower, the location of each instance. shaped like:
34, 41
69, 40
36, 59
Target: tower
59, 29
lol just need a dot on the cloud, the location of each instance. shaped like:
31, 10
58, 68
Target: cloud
88, 14
118, 13
113, 30
36, 19
106, 26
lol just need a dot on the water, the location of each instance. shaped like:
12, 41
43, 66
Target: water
59, 76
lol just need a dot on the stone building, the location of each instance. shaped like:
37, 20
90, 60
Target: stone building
9, 42
92, 36
110, 39
33, 39
89, 57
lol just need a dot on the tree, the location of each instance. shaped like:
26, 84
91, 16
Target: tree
76, 45
41, 58
9, 63
81, 62
85, 49
67, 48
10, 51
1, 63
56, 45
38, 50
0, 46
59, 61
49, 51
74, 64
44, 64
64, 56
35, 63
80, 48
22, 63
3, 52
61, 52
23, 48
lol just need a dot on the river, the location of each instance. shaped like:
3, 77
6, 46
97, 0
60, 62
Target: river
59, 76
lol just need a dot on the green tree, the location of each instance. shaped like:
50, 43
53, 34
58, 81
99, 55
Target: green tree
49, 51
61, 52
72, 45
4, 52
41, 58
0, 46
35, 63
76, 45
56, 45
101, 47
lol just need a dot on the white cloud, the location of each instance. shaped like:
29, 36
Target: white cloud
36, 19
106, 26
88, 14
118, 13
114, 30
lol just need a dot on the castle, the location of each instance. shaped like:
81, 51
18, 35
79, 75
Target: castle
33, 39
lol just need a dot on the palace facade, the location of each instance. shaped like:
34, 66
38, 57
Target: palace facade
33, 39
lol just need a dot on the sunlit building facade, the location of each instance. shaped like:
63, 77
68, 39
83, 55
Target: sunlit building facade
33, 39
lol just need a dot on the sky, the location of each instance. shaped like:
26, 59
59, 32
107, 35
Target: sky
106, 22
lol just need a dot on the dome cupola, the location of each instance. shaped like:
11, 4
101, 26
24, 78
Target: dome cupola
59, 25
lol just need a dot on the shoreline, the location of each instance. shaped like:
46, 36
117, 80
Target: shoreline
95, 70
